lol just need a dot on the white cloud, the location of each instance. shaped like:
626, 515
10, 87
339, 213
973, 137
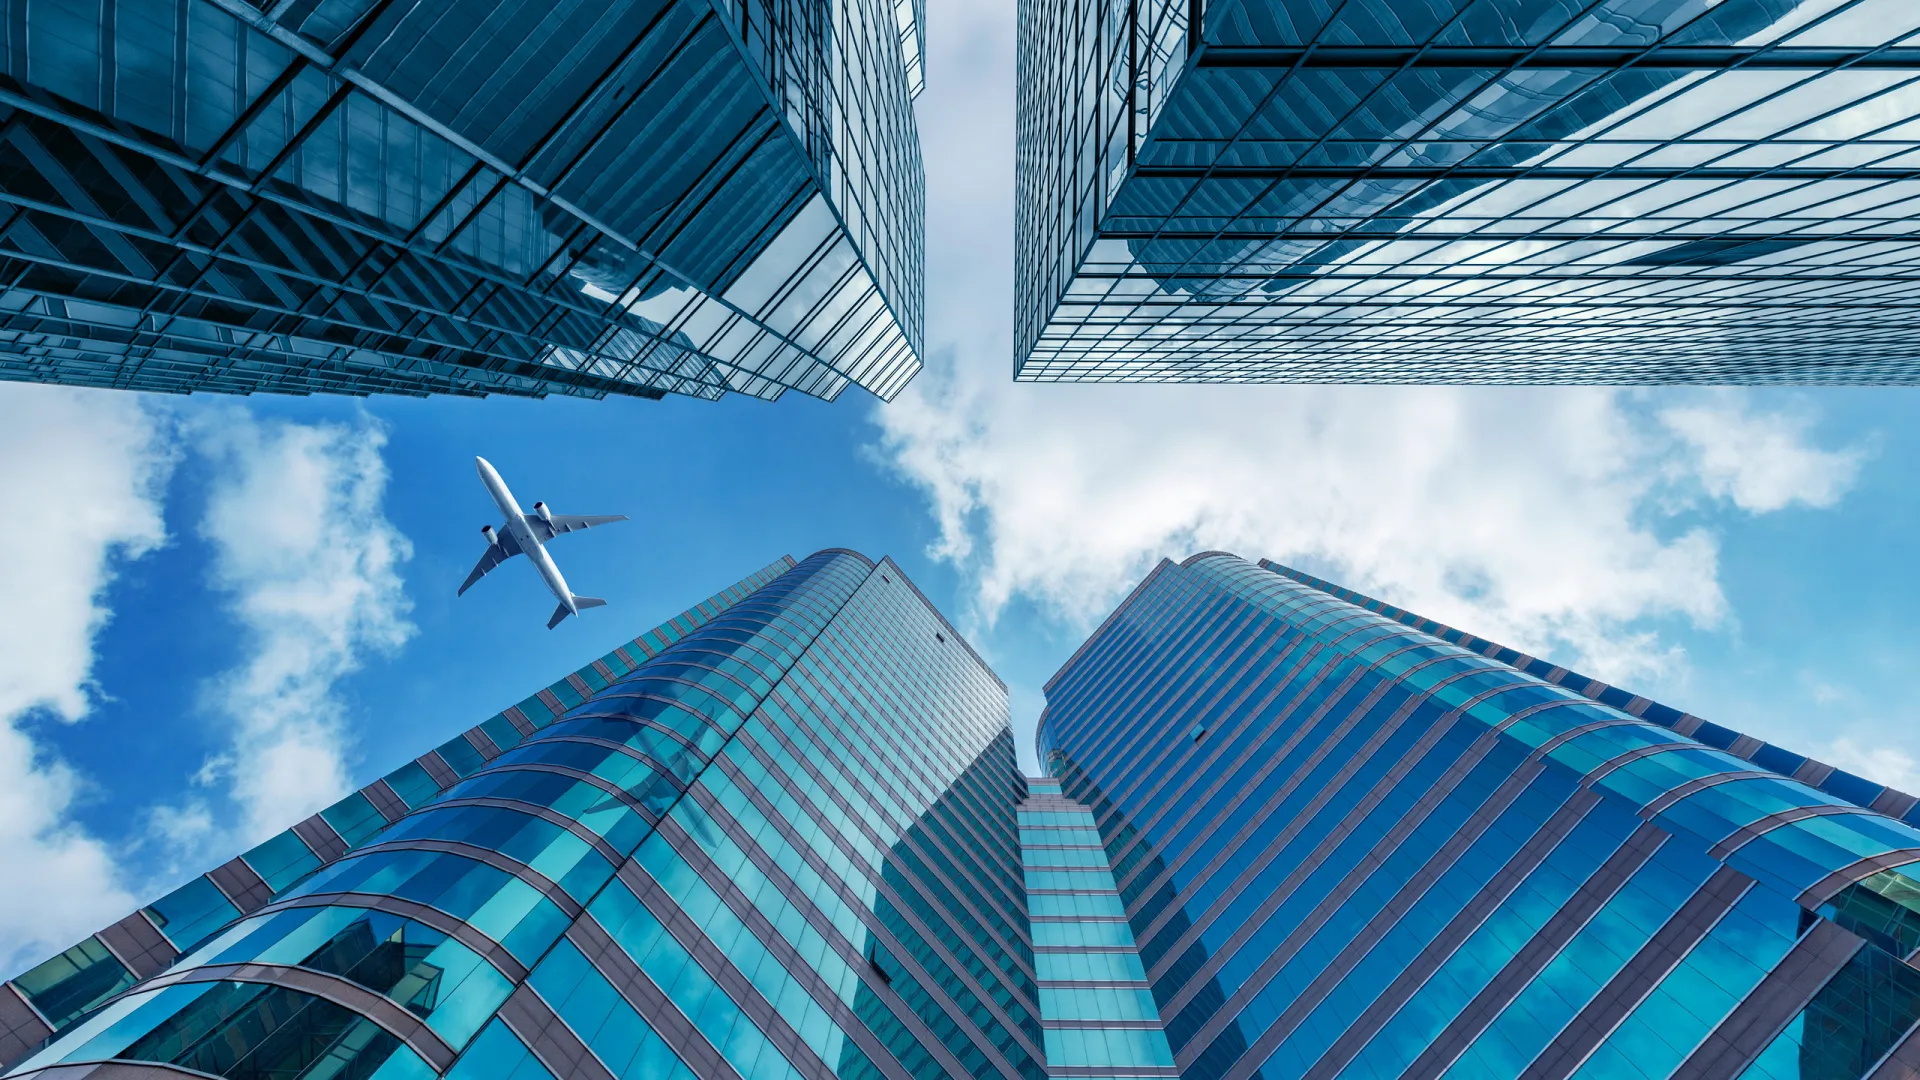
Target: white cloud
310, 567
81, 473
1556, 520
1530, 516
1761, 461
1885, 764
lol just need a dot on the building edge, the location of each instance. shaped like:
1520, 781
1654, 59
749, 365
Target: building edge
1826, 778
1777, 759
51, 996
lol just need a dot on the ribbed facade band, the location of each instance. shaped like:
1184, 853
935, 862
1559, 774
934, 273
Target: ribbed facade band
1290, 832
1350, 848
783, 846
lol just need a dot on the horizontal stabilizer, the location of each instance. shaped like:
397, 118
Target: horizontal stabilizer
580, 602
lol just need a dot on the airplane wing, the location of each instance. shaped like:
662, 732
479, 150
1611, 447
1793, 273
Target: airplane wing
497, 552
566, 523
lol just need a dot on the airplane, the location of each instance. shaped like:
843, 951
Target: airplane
527, 534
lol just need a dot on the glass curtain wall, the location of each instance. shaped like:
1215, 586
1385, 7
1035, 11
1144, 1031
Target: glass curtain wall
505, 196
1350, 848
1520, 191
1100, 1019
783, 846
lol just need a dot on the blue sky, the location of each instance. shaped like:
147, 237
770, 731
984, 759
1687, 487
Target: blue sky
202, 593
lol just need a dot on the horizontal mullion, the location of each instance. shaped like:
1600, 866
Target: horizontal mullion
1555, 57
543, 372
1502, 236
418, 306
1596, 273
1519, 172
212, 171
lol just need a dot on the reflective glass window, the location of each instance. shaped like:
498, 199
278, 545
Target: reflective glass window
69, 984
282, 860
191, 912
424, 970
498, 1055
354, 818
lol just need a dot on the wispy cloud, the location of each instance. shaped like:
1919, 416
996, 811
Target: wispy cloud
1759, 461
309, 566
1884, 763
1541, 517
82, 474
1560, 520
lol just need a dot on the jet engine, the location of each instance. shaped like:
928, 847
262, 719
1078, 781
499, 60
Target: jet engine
487, 531
546, 515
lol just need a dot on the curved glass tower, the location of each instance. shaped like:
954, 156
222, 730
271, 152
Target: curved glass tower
583, 197
1503, 191
774, 839
1291, 832
1354, 843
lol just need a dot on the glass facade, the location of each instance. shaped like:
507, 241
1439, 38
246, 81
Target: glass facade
1526, 191
1351, 843
782, 843
1099, 1018
1290, 832
633, 197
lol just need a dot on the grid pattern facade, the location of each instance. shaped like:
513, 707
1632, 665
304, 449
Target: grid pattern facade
504, 196
1521, 191
1094, 1005
782, 845
1349, 848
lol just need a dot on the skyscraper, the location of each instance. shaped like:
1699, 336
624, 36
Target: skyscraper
633, 197
1509, 191
774, 838
1290, 832
1099, 1018
1351, 842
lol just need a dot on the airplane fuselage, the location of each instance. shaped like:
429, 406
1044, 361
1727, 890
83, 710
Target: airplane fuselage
516, 523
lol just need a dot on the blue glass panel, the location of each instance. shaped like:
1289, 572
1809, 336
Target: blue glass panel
229, 1028
74, 981
460, 756
1854, 789
1108, 1048
498, 1055
412, 784
282, 860
354, 818
502, 732
1784, 762
609, 1026
192, 912
423, 969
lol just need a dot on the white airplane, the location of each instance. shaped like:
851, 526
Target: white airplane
527, 534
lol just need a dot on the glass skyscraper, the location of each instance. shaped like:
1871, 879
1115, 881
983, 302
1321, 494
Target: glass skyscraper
1523, 191
1354, 843
583, 197
1289, 831
775, 838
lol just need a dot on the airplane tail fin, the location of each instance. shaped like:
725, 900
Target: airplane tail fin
581, 602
